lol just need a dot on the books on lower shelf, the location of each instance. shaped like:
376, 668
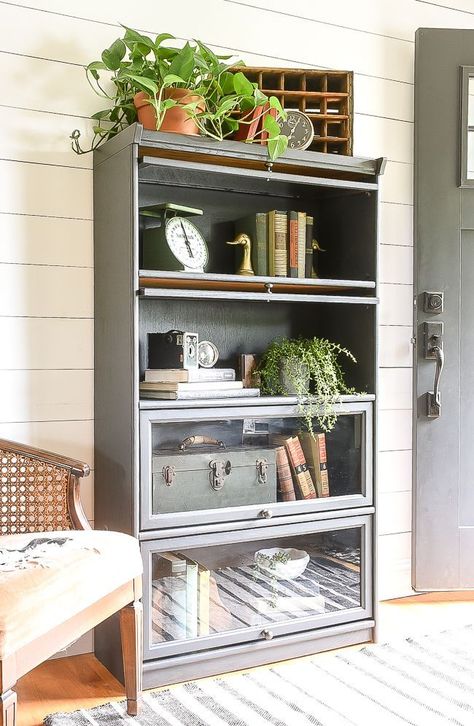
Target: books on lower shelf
184, 595
281, 242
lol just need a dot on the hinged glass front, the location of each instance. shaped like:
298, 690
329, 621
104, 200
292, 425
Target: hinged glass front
255, 460
257, 588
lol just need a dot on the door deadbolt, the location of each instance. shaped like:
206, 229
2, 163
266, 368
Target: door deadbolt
433, 302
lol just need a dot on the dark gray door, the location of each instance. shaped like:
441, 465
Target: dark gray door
443, 543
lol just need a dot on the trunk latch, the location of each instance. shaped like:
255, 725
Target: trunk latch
262, 471
219, 470
169, 475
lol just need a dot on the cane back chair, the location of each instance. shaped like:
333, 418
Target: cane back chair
58, 577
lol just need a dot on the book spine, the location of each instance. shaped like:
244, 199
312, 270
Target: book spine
271, 243
281, 242
261, 235
301, 243
211, 374
166, 375
300, 468
293, 244
284, 478
309, 247
323, 465
203, 600
191, 599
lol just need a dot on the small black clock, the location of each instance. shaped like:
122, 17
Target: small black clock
299, 129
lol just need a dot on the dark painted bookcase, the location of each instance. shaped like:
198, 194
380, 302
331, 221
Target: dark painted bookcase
221, 610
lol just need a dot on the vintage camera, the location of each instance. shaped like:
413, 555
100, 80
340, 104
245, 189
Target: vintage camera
174, 349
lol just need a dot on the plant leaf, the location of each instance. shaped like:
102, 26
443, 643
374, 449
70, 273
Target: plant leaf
161, 37
143, 83
113, 56
277, 146
270, 125
183, 64
275, 103
242, 85
171, 78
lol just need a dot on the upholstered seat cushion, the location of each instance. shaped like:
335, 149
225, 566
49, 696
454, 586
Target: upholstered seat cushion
44, 583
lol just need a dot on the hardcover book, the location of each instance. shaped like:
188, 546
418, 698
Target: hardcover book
300, 469
190, 395
309, 247
182, 375
281, 243
315, 453
301, 243
191, 386
284, 478
293, 243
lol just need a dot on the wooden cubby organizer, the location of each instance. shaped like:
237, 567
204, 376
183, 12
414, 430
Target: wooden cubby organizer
333, 602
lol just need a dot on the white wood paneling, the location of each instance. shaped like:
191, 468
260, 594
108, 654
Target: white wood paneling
394, 512
396, 185
47, 343
396, 224
396, 264
53, 191
375, 136
36, 136
396, 304
394, 566
70, 438
395, 430
40, 291
395, 347
395, 388
46, 395
395, 471
46, 240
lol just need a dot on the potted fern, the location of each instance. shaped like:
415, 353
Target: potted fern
186, 90
309, 369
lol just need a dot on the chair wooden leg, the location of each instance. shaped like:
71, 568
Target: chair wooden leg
131, 631
8, 708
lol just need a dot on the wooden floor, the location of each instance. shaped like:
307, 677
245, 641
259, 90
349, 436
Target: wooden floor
65, 684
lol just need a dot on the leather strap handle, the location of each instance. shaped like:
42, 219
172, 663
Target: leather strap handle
200, 441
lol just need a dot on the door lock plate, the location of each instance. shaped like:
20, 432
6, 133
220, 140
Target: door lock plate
433, 302
432, 338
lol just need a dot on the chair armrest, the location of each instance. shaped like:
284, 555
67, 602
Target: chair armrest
77, 468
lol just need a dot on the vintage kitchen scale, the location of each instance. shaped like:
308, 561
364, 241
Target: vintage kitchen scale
170, 241
202, 473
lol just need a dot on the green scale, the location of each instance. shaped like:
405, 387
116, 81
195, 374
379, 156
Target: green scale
170, 240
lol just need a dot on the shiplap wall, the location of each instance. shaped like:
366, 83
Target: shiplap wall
46, 300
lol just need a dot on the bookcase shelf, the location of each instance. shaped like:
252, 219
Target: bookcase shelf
150, 280
137, 169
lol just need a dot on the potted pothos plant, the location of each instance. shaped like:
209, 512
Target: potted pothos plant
187, 89
309, 369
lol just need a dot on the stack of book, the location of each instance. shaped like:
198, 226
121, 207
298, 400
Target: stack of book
282, 243
182, 384
301, 462
181, 594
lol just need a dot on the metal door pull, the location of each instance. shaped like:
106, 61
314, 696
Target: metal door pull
433, 398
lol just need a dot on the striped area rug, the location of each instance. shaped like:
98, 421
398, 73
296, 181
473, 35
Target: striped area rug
428, 681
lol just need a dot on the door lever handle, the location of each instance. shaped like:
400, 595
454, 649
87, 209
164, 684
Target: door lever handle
433, 398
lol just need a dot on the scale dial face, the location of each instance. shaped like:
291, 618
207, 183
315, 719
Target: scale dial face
187, 244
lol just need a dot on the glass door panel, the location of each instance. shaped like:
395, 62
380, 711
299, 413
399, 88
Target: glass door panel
258, 588
252, 462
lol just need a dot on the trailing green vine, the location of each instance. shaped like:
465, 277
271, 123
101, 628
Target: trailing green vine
309, 369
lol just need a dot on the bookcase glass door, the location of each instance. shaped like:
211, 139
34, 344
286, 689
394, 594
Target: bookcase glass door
269, 586
253, 462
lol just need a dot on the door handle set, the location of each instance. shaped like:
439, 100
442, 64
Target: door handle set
433, 350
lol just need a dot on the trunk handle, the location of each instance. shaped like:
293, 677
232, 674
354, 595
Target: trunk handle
200, 441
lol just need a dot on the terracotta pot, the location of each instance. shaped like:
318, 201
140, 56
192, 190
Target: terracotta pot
176, 119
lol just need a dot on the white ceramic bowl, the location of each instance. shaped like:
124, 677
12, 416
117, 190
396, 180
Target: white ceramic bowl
294, 567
